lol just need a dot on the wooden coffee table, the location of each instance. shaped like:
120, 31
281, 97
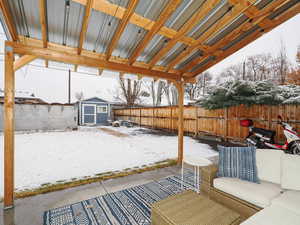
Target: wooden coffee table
190, 208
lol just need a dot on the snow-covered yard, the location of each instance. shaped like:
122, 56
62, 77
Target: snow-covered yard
52, 156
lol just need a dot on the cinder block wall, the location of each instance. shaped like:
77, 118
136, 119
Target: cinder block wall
42, 117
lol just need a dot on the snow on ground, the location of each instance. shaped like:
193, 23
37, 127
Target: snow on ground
47, 157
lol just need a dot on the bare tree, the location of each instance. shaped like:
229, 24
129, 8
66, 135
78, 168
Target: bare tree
79, 96
199, 88
156, 91
130, 91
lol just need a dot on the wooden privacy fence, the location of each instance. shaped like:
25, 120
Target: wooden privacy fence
223, 123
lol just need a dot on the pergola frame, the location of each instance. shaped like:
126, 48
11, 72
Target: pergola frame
30, 49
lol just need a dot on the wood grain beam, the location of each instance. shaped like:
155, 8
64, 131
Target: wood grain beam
22, 61
121, 27
9, 20
42, 8
9, 128
106, 7
197, 16
257, 18
85, 22
180, 88
164, 16
58, 47
71, 58
293, 11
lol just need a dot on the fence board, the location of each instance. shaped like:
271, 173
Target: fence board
221, 122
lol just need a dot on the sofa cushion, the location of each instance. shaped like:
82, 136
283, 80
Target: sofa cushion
239, 162
289, 200
273, 215
290, 175
258, 194
270, 171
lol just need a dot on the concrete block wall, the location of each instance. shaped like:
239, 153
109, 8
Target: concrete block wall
42, 117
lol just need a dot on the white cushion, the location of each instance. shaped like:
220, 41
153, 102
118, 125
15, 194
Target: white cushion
289, 200
273, 215
290, 175
268, 164
258, 194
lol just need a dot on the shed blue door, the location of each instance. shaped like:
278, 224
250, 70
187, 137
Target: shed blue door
89, 114
102, 114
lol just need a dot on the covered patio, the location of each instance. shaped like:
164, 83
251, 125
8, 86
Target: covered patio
171, 40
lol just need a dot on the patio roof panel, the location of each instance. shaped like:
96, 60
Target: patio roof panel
26, 18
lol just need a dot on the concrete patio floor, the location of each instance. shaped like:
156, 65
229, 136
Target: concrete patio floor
29, 211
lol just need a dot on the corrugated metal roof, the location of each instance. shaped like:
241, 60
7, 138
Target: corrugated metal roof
214, 15
190, 58
172, 54
27, 18
157, 43
129, 40
65, 26
100, 31
203, 63
282, 9
183, 13
151, 9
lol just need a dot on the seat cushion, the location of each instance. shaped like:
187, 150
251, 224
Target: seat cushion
289, 200
290, 175
270, 171
273, 215
258, 194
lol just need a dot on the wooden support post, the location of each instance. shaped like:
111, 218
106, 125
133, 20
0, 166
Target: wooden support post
140, 117
196, 121
171, 119
9, 102
180, 87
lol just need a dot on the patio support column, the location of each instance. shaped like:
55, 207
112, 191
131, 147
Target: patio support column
9, 126
180, 88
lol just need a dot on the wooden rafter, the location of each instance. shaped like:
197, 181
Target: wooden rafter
121, 27
22, 61
197, 16
71, 58
106, 7
85, 22
281, 19
9, 20
54, 46
259, 17
164, 16
238, 8
42, 7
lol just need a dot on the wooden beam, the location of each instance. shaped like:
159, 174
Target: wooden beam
86, 19
121, 27
42, 6
164, 16
46, 63
281, 19
9, 20
9, 127
197, 16
38, 43
180, 88
106, 7
22, 61
70, 58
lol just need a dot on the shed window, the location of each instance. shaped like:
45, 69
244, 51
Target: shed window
101, 109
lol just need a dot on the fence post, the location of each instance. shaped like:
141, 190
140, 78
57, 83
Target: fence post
171, 119
226, 124
140, 117
196, 120
153, 117
270, 116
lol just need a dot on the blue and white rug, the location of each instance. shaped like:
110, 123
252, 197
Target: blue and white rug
131, 206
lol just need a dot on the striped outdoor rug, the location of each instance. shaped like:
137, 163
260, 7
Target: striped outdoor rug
131, 206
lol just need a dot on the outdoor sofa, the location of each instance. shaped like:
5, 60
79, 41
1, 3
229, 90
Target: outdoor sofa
274, 201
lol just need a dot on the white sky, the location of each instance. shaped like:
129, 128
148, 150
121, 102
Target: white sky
51, 84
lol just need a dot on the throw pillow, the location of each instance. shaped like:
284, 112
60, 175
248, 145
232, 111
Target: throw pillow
238, 162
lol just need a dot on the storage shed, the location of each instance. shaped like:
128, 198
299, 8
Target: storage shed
94, 111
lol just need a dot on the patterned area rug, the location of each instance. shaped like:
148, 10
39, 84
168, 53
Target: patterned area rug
131, 206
